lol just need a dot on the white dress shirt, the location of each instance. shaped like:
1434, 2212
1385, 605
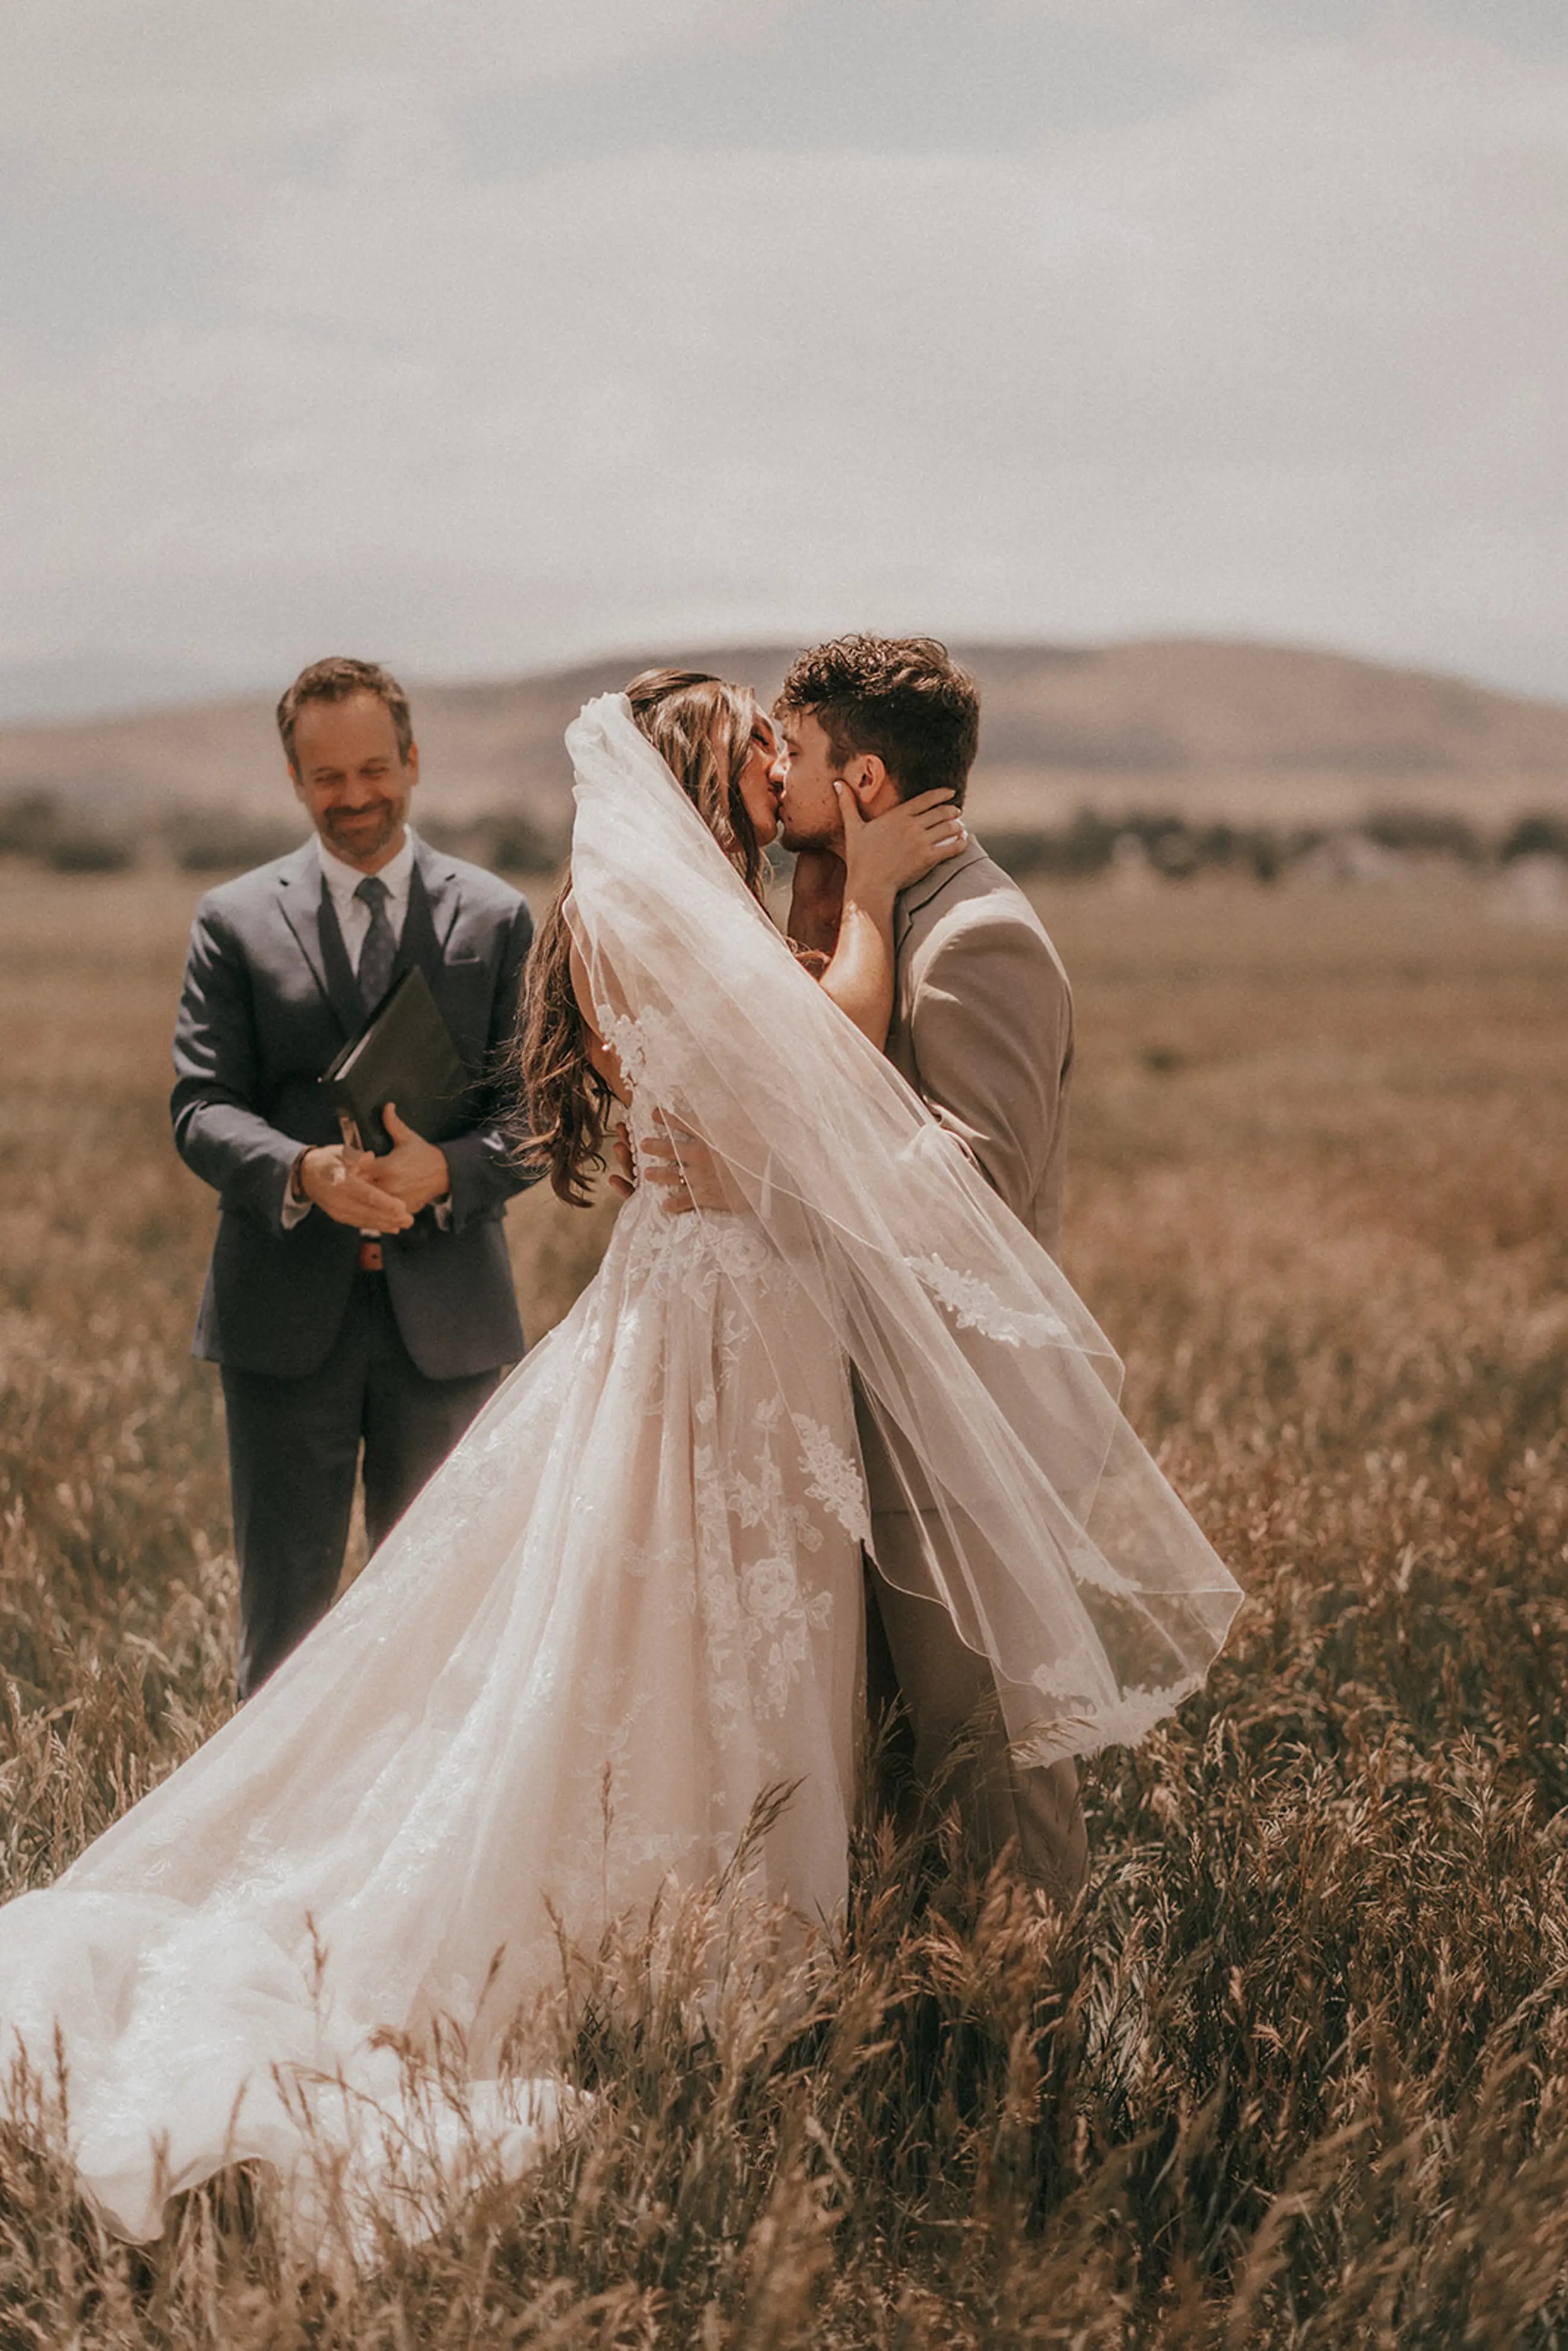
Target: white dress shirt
354, 921
353, 915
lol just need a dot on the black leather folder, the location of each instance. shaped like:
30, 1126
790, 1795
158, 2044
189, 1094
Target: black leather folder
404, 1054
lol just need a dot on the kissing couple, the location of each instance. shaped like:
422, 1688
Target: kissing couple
629, 1609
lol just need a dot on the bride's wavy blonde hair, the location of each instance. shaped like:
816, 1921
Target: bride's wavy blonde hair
701, 727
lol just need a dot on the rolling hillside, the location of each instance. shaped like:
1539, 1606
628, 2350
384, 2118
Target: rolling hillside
1203, 727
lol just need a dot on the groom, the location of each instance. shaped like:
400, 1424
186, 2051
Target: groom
351, 1301
982, 1030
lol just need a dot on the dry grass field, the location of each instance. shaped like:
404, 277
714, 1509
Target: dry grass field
1296, 2072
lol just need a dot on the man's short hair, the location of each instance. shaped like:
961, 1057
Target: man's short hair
903, 698
334, 680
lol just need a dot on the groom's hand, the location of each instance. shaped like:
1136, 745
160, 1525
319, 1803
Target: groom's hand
687, 1175
623, 1174
414, 1171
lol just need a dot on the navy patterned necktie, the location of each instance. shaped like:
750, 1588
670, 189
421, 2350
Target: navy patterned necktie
379, 950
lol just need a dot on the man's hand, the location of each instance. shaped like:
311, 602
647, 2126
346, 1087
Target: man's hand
623, 1174
884, 855
335, 1179
688, 1174
414, 1171
688, 1177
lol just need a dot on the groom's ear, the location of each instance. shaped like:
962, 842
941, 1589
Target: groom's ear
868, 779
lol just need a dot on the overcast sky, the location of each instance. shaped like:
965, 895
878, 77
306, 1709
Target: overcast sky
479, 335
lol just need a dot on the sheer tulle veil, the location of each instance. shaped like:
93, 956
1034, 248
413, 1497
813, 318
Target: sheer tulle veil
1061, 1551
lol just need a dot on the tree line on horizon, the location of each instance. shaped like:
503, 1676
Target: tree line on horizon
38, 827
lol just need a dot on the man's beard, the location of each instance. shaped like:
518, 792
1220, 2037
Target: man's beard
366, 841
793, 840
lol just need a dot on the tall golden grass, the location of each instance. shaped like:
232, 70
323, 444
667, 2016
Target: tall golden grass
1295, 2072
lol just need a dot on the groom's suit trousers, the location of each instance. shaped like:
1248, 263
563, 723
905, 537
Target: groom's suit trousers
960, 1749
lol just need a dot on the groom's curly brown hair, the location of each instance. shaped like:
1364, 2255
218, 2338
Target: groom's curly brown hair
903, 698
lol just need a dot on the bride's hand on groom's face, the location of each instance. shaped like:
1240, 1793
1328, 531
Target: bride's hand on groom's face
886, 853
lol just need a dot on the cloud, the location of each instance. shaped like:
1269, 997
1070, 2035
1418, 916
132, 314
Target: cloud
1278, 353
180, 94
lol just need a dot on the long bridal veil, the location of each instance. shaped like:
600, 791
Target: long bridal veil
1061, 1553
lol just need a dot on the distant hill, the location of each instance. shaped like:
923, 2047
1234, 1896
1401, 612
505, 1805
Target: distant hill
1226, 727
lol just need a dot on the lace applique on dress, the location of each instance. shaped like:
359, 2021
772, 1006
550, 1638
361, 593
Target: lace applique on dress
695, 1252
649, 1047
834, 1478
759, 1614
615, 1717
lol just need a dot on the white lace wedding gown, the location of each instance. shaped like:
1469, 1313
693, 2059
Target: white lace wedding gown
629, 1604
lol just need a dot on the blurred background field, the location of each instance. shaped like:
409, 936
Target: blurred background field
1169, 757
1298, 2073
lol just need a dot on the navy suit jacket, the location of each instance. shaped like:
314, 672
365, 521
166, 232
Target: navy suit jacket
270, 996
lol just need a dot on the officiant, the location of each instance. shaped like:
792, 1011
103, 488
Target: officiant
353, 1301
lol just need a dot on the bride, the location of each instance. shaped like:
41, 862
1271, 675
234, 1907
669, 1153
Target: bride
628, 1605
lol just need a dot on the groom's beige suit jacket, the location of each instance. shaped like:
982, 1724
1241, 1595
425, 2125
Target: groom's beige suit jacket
982, 1029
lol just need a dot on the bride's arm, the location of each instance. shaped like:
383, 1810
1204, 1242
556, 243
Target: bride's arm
881, 857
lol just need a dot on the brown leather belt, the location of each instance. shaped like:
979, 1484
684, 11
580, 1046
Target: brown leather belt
370, 1260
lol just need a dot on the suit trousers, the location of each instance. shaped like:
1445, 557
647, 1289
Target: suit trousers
294, 1448
959, 1744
